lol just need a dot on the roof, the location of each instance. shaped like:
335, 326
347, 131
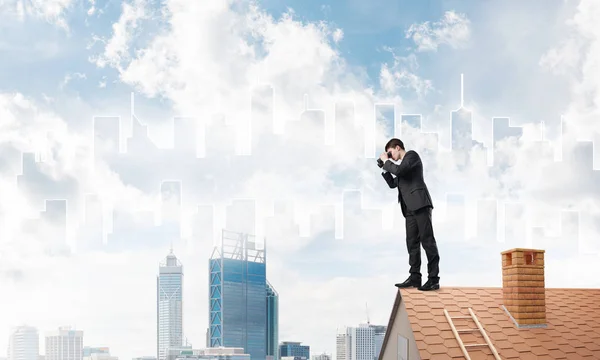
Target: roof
572, 330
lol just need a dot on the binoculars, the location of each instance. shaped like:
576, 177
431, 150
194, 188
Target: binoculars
380, 163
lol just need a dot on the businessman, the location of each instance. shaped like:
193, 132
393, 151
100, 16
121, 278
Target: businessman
416, 206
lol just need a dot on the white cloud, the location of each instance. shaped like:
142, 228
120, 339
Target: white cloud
452, 30
577, 56
53, 11
69, 77
64, 155
338, 35
401, 75
117, 48
92, 9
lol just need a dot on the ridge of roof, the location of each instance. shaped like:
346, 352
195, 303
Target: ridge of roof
500, 288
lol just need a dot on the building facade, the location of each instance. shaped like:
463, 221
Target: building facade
88, 350
360, 343
218, 353
64, 344
342, 345
295, 350
272, 323
169, 305
323, 356
243, 307
100, 356
378, 336
24, 343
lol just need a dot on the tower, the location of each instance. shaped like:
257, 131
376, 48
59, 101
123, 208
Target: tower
169, 305
272, 322
24, 344
239, 297
64, 344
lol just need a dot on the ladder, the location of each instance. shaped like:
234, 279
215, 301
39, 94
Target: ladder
479, 328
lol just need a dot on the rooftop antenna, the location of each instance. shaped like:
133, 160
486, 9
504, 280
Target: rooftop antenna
368, 320
462, 94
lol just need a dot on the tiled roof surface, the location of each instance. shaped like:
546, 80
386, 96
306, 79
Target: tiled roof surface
572, 332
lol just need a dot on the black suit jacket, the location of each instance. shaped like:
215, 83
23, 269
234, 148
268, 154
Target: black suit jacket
412, 191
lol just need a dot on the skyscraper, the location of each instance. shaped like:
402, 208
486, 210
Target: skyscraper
342, 345
360, 343
169, 305
272, 322
295, 350
64, 344
88, 350
378, 336
24, 344
243, 309
97, 353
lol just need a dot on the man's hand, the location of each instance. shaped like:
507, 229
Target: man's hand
383, 157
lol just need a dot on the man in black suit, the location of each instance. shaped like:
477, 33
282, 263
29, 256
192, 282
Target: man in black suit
416, 206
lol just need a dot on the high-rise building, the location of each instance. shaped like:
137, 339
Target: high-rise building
24, 344
378, 336
323, 356
242, 313
342, 345
360, 343
295, 350
64, 344
97, 353
88, 350
272, 322
100, 356
220, 353
169, 305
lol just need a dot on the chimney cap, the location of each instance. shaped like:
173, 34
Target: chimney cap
510, 251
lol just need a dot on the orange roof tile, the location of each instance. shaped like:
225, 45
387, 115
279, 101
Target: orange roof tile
572, 330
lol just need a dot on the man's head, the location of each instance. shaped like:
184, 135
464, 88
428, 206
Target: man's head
396, 148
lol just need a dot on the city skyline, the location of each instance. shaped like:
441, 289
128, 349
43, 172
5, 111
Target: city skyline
25, 338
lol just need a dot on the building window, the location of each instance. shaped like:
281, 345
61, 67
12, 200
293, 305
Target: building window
402, 348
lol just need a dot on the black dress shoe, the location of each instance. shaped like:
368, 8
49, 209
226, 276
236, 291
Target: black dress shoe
430, 285
410, 282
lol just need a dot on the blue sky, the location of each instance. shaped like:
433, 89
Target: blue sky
61, 69
368, 32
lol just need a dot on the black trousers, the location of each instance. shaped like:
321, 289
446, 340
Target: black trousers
419, 231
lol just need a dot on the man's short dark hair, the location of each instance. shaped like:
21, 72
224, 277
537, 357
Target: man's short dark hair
393, 143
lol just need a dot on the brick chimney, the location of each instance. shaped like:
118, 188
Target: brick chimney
523, 286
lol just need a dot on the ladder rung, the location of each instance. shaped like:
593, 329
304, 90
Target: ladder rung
464, 346
466, 330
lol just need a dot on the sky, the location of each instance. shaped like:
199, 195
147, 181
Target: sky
160, 123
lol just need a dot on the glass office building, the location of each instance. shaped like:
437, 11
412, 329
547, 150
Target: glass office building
169, 305
294, 349
272, 322
239, 303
